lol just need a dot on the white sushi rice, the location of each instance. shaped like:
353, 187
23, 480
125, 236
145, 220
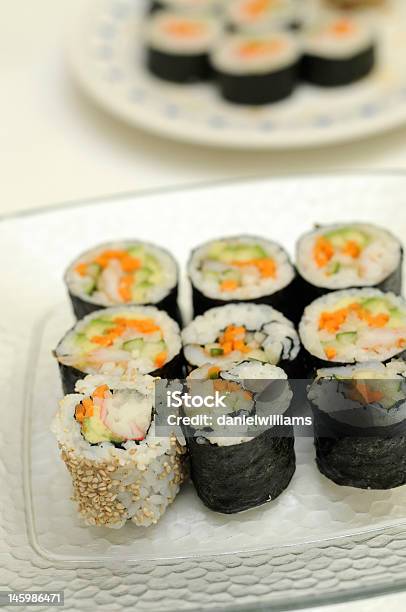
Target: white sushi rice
250, 289
275, 15
159, 35
119, 362
365, 348
280, 51
328, 395
109, 296
282, 341
376, 262
320, 41
113, 485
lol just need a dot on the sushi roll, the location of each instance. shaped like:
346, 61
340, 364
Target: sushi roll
128, 272
235, 468
178, 45
241, 269
342, 256
241, 331
359, 415
354, 326
121, 470
186, 6
259, 16
118, 341
339, 51
256, 69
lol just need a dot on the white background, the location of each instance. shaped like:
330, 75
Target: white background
56, 146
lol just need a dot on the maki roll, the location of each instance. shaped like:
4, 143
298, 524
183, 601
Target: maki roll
178, 46
256, 69
241, 331
120, 469
259, 16
339, 51
129, 272
354, 326
360, 424
242, 268
118, 341
342, 256
235, 468
186, 6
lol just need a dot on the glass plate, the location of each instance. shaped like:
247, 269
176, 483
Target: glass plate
317, 542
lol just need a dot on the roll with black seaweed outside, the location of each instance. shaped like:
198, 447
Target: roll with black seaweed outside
118, 341
241, 269
127, 272
236, 467
256, 69
354, 326
178, 45
338, 51
342, 256
360, 424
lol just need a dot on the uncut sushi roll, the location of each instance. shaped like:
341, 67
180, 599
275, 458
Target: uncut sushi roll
238, 468
342, 256
241, 331
178, 45
360, 424
354, 326
241, 268
127, 272
259, 16
121, 471
118, 341
256, 69
338, 51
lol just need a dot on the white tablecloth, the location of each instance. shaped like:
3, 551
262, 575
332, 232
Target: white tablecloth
56, 146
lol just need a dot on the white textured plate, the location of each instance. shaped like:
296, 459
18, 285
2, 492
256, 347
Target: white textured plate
318, 542
106, 55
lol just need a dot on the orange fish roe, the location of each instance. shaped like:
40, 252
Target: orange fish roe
183, 28
323, 251
332, 321
100, 391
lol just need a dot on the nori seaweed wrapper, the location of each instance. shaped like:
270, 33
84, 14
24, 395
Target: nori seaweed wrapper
70, 375
284, 300
371, 457
178, 68
232, 479
336, 72
257, 89
169, 304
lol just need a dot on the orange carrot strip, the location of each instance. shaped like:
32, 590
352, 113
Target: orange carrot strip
89, 407
80, 413
124, 288
323, 251
100, 391
352, 249
228, 285
331, 352
81, 269
160, 359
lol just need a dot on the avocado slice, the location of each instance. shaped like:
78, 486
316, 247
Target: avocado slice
347, 338
94, 431
135, 345
98, 327
340, 236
